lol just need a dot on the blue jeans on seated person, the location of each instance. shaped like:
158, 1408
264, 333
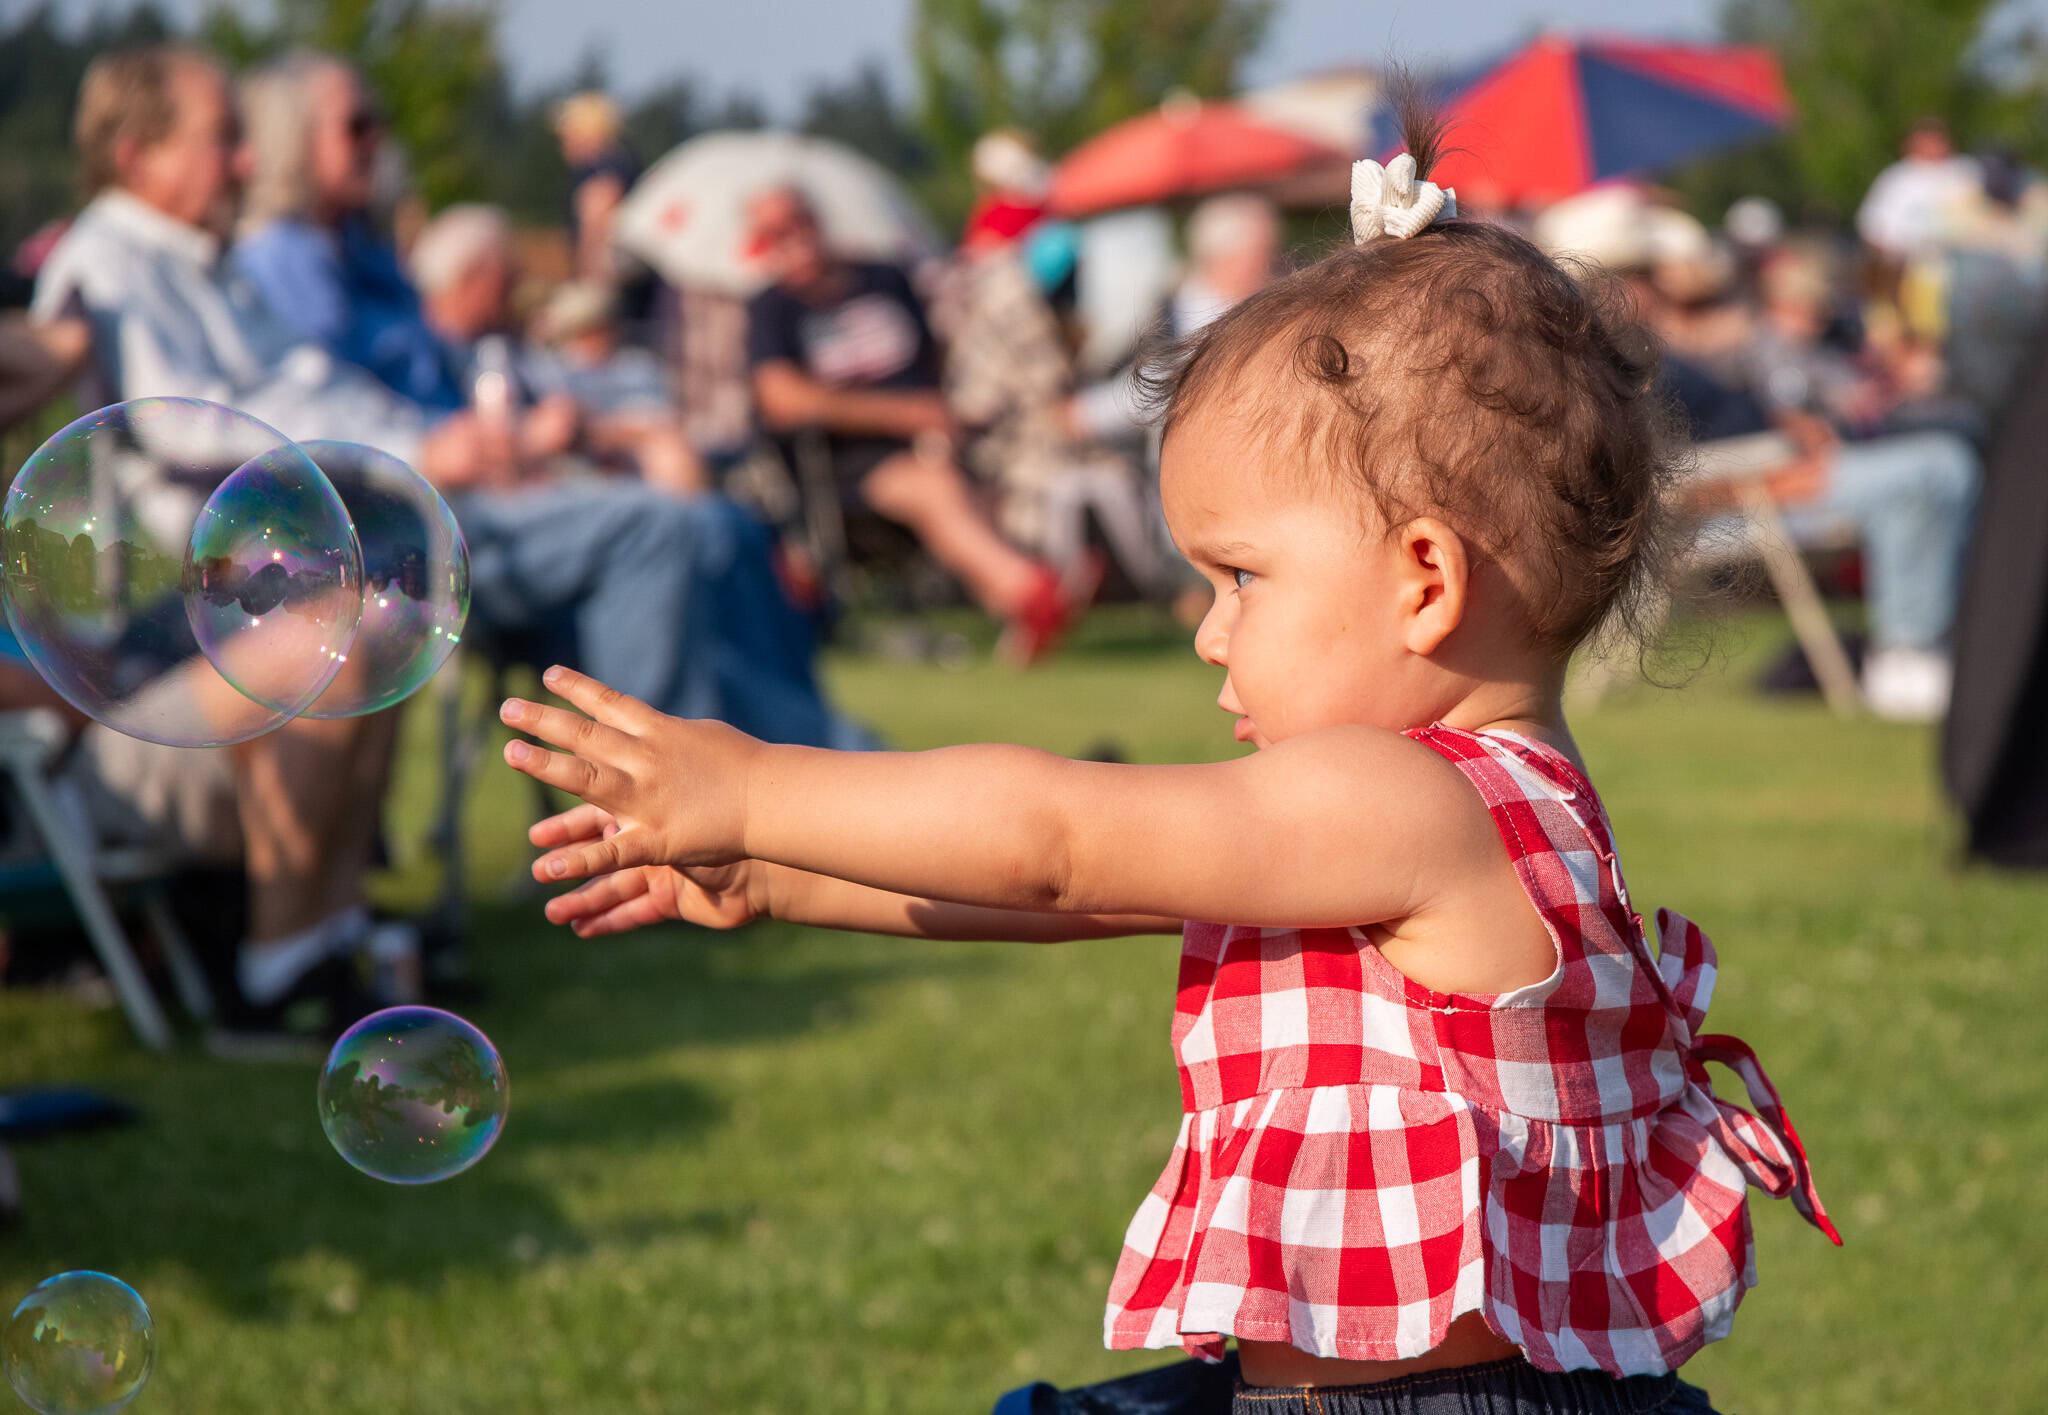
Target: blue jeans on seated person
1910, 497
672, 600
1512, 1387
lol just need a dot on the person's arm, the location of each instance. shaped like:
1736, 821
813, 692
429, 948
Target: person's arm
38, 360
297, 274
1345, 826
788, 398
597, 201
728, 896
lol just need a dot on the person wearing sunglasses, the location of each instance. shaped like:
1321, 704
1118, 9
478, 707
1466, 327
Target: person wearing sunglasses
306, 239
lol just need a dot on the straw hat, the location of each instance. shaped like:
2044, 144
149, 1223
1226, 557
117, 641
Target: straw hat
576, 307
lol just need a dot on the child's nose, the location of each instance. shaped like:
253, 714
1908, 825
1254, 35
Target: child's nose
1212, 639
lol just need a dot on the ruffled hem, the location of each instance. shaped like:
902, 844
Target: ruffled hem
1359, 1222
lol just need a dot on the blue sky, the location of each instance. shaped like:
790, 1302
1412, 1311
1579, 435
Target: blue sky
776, 47
779, 48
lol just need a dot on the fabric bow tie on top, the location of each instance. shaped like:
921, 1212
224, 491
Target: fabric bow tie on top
1390, 201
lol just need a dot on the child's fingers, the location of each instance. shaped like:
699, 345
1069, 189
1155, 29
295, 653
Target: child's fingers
578, 777
607, 705
582, 822
633, 914
586, 858
609, 904
572, 730
598, 896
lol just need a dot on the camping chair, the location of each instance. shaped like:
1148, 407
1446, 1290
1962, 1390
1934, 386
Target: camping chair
32, 744
1740, 464
790, 484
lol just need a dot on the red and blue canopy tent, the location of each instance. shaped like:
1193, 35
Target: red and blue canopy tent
1565, 114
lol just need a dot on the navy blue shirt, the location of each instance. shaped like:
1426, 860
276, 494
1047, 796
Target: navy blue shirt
871, 334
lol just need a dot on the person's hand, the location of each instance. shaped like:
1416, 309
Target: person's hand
1809, 434
464, 452
1800, 480
676, 787
68, 341
549, 427
714, 896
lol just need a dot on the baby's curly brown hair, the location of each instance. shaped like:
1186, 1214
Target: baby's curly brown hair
1461, 373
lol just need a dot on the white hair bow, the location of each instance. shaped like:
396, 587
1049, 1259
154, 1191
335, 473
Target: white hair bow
1389, 201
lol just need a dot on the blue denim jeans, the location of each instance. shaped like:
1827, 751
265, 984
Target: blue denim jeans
1910, 498
672, 600
1511, 1387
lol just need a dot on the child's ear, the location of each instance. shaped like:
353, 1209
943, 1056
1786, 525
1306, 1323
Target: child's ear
1433, 570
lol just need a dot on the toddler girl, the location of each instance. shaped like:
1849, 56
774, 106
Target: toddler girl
1449, 1142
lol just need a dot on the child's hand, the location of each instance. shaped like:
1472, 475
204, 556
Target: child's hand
675, 788
714, 896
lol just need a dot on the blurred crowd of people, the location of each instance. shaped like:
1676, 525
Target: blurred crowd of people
1867, 373
659, 482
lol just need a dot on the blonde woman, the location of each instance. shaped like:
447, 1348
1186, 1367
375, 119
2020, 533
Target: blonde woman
306, 241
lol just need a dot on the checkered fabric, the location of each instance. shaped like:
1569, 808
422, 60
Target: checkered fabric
1362, 1160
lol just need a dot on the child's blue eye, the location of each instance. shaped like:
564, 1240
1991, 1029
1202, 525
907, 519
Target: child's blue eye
1243, 577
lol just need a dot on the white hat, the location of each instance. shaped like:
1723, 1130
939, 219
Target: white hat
1607, 226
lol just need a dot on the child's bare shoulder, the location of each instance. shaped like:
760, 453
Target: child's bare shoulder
1394, 792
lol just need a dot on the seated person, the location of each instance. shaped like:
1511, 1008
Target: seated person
156, 142
843, 348
305, 240
677, 596
308, 246
1909, 495
581, 355
467, 266
1010, 376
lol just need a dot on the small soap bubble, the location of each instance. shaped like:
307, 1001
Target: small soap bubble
411, 1095
80, 1343
415, 579
95, 542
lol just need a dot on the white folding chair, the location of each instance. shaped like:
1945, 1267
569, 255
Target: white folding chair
31, 746
1740, 464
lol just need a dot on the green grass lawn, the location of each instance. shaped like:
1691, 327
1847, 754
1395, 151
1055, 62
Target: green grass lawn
791, 1171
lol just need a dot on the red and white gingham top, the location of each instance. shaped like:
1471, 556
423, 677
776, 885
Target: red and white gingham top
1363, 1160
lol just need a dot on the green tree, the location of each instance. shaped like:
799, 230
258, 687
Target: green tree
41, 64
1064, 69
434, 67
864, 115
1860, 75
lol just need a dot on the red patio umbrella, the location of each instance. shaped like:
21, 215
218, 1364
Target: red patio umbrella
1183, 148
1562, 114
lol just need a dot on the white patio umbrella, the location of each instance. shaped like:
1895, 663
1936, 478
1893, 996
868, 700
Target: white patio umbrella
686, 216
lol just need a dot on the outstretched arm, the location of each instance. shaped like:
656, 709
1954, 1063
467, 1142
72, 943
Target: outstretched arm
1345, 826
727, 896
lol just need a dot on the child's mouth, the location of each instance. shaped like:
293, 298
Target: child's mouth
1243, 729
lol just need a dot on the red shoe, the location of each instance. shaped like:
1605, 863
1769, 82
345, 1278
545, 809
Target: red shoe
1052, 607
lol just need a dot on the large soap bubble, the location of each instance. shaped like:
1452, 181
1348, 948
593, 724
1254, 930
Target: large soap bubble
273, 581
411, 1095
415, 578
98, 538
80, 1343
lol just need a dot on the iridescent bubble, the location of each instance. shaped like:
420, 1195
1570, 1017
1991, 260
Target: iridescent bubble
273, 580
415, 578
80, 1343
94, 541
411, 1095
